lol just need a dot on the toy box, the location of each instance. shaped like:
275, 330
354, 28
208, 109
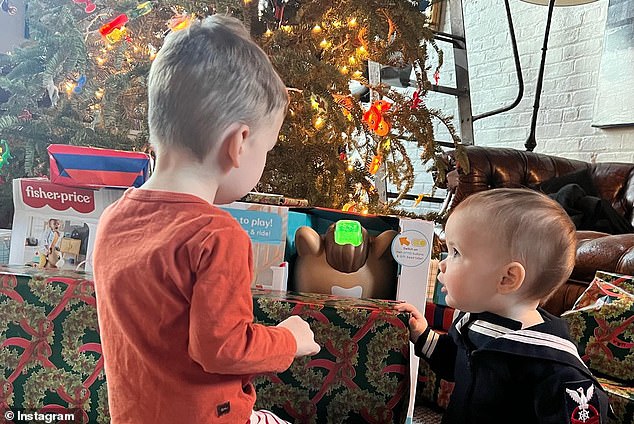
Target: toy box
54, 225
267, 226
273, 228
410, 248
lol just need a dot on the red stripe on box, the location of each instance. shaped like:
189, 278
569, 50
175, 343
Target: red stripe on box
94, 151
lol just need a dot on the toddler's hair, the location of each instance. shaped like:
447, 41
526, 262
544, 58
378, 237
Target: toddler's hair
204, 79
534, 229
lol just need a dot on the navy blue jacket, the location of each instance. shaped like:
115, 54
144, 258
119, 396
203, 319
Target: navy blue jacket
504, 374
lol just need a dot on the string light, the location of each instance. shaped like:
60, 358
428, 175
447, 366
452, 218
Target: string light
69, 86
319, 122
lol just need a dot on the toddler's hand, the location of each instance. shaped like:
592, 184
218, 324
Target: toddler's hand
417, 322
304, 336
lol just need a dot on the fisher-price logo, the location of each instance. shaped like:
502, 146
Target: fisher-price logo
60, 198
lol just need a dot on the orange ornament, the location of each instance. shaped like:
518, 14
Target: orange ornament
375, 164
375, 119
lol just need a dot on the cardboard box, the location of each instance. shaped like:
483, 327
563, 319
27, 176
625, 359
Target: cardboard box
92, 167
48, 214
411, 249
267, 226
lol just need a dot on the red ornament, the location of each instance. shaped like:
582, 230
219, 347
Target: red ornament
416, 99
116, 23
375, 119
90, 6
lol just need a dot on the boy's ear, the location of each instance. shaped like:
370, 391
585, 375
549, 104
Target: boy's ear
233, 141
512, 279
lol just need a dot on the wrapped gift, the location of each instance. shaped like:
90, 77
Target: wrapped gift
602, 324
91, 167
49, 346
621, 399
361, 373
432, 390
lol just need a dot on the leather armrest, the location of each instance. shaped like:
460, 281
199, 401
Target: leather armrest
604, 252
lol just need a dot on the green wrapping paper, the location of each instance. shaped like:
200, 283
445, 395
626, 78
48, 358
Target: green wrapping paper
361, 373
50, 352
602, 324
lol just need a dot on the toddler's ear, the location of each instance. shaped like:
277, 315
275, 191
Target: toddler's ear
513, 278
233, 140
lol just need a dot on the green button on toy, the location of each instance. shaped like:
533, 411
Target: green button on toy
348, 232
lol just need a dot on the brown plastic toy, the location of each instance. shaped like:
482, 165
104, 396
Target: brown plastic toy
351, 263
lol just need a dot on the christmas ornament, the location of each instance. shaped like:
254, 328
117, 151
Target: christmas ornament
141, 9
115, 30
79, 86
90, 6
109, 28
5, 153
416, 99
346, 104
342, 153
375, 164
179, 22
349, 207
376, 120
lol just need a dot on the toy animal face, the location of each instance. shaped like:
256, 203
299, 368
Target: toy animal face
323, 266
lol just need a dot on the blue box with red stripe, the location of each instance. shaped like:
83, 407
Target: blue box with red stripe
93, 167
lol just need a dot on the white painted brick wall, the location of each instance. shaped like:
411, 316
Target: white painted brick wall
569, 88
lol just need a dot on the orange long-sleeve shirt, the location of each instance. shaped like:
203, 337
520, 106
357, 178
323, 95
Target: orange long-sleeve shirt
172, 280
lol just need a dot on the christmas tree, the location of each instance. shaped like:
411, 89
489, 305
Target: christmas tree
80, 79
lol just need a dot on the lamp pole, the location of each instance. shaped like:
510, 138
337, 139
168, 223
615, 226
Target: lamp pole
531, 142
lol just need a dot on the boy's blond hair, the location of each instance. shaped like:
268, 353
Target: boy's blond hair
534, 228
204, 79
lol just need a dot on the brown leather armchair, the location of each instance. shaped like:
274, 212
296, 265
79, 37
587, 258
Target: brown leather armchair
502, 167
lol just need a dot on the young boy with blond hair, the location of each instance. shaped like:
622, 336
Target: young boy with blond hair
173, 271
511, 361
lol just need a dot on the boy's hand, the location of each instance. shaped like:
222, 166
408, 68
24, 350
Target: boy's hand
417, 322
304, 336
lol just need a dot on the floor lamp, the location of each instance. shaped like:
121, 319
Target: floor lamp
531, 142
